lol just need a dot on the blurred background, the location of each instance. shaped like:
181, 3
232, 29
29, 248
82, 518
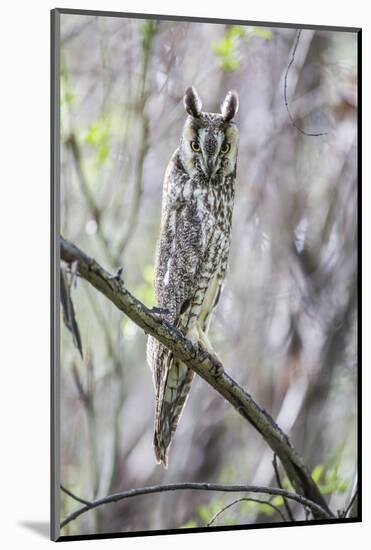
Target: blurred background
286, 324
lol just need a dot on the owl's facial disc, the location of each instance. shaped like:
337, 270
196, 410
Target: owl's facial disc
217, 149
209, 145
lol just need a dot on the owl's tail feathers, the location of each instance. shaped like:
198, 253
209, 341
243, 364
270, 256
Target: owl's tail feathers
170, 403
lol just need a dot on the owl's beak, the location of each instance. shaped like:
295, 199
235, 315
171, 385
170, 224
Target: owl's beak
210, 168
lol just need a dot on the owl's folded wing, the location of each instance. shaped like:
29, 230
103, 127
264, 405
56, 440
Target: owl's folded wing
181, 250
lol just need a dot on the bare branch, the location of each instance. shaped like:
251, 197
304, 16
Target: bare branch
75, 497
351, 505
318, 511
285, 91
278, 479
246, 499
147, 45
205, 365
83, 395
89, 198
69, 316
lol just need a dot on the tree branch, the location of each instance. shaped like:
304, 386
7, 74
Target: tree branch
317, 510
246, 499
352, 506
75, 497
292, 119
205, 365
278, 479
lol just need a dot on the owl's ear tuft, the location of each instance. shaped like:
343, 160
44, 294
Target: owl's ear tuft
229, 107
192, 102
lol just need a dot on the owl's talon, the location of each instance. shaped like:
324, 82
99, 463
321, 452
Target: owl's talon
160, 311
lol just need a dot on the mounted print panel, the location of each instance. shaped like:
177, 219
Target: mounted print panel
204, 207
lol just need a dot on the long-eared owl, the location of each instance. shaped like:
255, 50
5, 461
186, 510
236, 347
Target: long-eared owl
193, 247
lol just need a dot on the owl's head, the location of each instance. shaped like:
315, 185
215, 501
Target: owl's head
210, 140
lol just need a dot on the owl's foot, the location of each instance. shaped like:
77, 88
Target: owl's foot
160, 311
217, 368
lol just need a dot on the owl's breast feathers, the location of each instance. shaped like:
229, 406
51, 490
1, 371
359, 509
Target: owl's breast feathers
190, 267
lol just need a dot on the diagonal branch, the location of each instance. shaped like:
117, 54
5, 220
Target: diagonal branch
317, 510
205, 365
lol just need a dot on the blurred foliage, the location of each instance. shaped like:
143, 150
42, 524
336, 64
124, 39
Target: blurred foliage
98, 137
67, 96
227, 49
329, 480
206, 512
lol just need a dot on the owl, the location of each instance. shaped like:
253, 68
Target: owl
192, 251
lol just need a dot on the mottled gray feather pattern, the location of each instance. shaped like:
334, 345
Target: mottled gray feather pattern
192, 252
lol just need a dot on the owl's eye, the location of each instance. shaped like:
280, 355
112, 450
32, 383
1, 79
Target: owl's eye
225, 148
195, 146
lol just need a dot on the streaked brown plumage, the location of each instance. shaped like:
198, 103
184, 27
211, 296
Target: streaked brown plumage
193, 247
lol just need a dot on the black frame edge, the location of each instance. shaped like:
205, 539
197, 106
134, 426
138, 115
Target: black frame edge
359, 281
54, 283
247, 527
134, 15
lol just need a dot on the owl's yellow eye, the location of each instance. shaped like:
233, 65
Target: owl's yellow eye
195, 146
225, 148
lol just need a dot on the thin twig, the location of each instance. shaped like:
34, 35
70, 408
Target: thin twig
132, 216
246, 499
83, 395
72, 495
196, 357
95, 211
318, 510
278, 479
285, 91
350, 504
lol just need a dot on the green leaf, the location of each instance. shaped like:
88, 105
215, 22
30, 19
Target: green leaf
204, 513
98, 132
227, 49
266, 509
343, 486
317, 473
67, 96
237, 32
262, 32
102, 153
230, 64
97, 136
277, 501
286, 484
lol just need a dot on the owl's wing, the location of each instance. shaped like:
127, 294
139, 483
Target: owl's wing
181, 250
